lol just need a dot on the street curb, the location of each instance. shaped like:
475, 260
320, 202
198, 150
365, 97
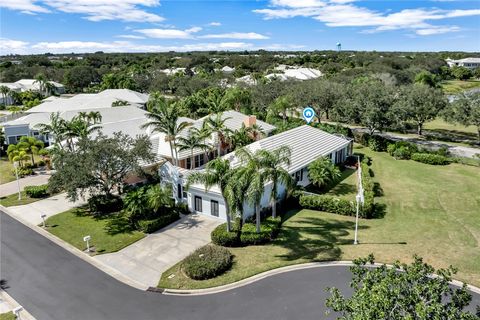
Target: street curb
94, 262
24, 314
269, 273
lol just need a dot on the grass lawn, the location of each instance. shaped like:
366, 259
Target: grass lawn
72, 225
457, 86
7, 316
432, 211
6, 168
12, 200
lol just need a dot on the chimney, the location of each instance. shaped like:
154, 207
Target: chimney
250, 121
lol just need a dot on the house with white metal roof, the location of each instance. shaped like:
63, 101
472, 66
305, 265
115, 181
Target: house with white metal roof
469, 63
306, 143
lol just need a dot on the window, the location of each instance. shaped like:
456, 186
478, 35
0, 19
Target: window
199, 160
299, 175
188, 163
179, 191
214, 208
198, 203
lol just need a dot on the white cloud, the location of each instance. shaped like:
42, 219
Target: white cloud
215, 24
236, 35
130, 36
437, 30
298, 3
169, 33
340, 13
25, 6
124, 46
94, 10
13, 46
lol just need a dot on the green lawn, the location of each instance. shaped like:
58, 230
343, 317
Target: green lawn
457, 86
12, 200
432, 211
71, 226
7, 316
440, 124
6, 168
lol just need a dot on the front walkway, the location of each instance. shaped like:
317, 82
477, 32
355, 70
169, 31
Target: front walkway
9, 188
32, 212
146, 260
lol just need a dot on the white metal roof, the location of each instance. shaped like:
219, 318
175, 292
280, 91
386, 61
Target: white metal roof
83, 101
306, 144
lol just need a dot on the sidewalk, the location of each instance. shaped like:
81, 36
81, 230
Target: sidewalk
9, 188
32, 212
7, 304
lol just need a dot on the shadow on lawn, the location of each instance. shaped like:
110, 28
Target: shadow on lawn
315, 239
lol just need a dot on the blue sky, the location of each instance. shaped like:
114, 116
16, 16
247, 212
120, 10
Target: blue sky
58, 26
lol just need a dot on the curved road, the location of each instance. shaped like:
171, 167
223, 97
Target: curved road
53, 284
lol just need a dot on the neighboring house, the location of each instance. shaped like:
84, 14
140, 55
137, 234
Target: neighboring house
469, 63
303, 152
13, 87
33, 85
200, 157
129, 121
296, 73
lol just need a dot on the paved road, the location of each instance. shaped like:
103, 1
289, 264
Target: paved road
53, 284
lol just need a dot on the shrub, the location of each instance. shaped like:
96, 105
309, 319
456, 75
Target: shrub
275, 224
428, 158
152, 225
249, 235
377, 143
37, 191
23, 172
207, 262
328, 204
222, 237
102, 204
402, 149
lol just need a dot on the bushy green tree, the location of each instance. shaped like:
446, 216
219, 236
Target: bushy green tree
466, 111
402, 292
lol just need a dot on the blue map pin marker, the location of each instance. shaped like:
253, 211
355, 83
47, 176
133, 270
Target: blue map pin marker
308, 114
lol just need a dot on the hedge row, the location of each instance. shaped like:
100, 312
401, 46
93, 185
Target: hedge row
207, 262
37, 191
342, 206
152, 225
428, 158
248, 235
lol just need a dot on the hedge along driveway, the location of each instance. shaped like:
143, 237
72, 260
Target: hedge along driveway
431, 211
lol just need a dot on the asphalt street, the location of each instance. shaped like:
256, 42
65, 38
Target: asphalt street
53, 284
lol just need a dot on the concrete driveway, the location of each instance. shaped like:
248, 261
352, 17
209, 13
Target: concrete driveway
50, 206
9, 188
146, 260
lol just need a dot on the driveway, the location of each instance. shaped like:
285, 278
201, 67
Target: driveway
146, 260
32, 212
12, 187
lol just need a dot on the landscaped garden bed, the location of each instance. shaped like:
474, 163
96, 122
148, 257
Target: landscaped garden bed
430, 210
29, 195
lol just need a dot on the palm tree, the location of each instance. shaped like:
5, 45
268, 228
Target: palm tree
217, 172
322, 172
280, 106
216, 124
30, 145
237, 190
42, 81
57, 128
4, 90
17, 153
158, 197
272, 163
253, 166
193, 140
164, 118
214, 104
84, 124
